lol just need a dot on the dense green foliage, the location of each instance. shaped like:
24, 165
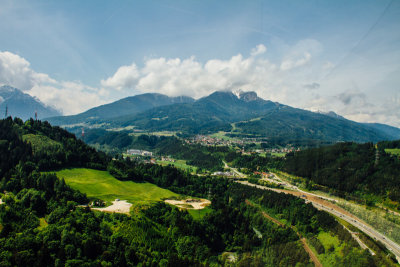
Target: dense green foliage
209, 158
251, 163
158, 235
350, 168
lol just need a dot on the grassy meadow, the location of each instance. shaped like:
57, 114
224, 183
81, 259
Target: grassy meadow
180, 164
102, 185
199, 214
393, 151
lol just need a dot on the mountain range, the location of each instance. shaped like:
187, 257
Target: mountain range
245, 114
24, 106
236, 113
125, 106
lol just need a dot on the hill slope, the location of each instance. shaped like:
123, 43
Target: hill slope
209, 114
129, 105
252, 115
23, 105
41, 224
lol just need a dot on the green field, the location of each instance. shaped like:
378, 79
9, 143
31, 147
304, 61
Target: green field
102, 185
333, 249
180, 164
393, 151
221, 135
199, 214
278, 154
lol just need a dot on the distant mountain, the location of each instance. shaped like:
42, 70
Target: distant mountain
331, 114
237, 113
125, 106
244, 113
209, 114
23, 105
289, 123
387, 129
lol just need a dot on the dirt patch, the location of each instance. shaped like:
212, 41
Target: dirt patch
118, 206
194, 204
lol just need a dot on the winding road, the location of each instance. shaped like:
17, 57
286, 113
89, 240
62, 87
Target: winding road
321, 204
325, 203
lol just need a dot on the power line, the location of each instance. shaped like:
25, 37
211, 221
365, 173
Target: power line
361, 40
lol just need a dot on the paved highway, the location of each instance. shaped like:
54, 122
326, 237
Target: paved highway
333, 209
239, 174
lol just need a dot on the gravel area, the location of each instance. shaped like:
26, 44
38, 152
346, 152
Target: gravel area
196, 204
118, 206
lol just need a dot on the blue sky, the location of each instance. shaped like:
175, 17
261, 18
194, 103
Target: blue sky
318, 55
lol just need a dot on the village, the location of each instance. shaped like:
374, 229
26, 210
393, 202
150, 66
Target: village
246, 146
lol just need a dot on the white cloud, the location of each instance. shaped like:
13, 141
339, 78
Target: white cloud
190, 77
259, 50
124, 78
69, 97
16, 71
289, 64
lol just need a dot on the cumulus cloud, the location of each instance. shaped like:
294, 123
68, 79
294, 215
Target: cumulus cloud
125, 77
291, 63
16, 71
69, 97
188, 76
259, 50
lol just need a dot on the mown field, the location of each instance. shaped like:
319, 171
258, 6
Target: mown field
199, 214
180, 164
393, 151
102, 185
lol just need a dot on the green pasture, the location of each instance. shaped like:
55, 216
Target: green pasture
393, 151
221, 135
278, 154
333, 248
199, 214
180, 164
102, 185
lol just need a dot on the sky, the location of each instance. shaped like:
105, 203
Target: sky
341, 56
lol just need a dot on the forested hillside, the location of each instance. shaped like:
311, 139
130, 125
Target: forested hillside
350, 168
248, 115
41, 225
118, 142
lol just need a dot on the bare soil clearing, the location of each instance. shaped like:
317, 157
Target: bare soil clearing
118, 206
195, 204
